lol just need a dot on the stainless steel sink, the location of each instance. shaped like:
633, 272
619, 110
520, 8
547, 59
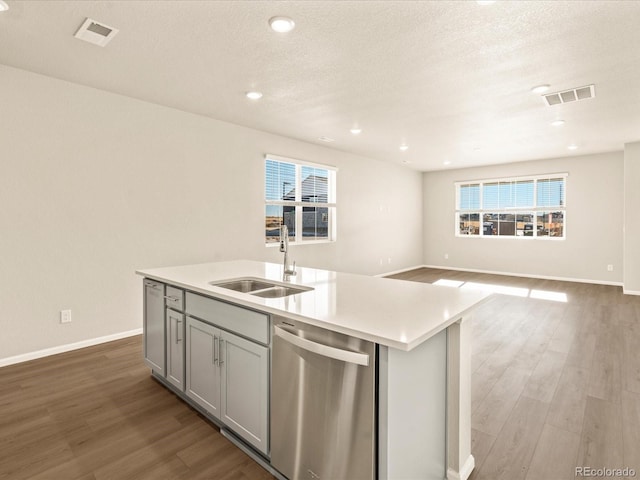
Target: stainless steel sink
261, 287
244, 285
277, 292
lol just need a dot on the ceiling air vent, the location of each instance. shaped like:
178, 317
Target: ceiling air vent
575, 94
95, 32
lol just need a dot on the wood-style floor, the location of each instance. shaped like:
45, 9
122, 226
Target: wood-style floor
555, 385
97, 414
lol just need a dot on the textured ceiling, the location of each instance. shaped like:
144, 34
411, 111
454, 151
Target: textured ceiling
451, 79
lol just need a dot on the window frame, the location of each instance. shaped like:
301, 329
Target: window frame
534, 210
298, 204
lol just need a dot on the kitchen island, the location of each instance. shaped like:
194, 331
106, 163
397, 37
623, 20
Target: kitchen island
422, 360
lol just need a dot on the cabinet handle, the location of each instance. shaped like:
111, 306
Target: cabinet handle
215, 350
178, 331
220, 354
173, 299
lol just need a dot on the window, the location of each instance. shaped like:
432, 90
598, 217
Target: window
512, 207
302, 197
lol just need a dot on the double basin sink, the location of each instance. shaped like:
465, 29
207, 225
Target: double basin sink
261, 287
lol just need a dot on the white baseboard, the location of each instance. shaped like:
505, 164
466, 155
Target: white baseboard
465, 470
395, 272
526, 275
25, 357
631, 292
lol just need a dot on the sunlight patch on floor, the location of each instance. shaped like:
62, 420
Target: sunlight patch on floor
448, 283
505, 290
546, 295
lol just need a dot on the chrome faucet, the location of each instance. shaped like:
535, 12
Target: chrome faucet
284, 248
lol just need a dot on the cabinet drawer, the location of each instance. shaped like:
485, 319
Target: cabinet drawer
175, 298
245, 322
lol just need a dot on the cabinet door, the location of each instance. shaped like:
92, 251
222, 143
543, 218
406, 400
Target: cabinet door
203, 372
244, 367
153, 326
175, 348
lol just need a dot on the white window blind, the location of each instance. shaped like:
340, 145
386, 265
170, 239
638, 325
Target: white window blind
516, 207
301, 196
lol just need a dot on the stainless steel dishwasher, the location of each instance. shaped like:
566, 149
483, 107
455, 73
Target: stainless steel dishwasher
323, 411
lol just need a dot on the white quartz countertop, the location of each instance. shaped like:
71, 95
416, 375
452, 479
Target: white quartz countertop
396, 313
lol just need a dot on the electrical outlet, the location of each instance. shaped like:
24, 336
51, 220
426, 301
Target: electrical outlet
380, 261
610, 268
65, 316
446, 256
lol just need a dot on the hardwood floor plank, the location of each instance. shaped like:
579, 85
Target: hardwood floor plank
631, 361
631, 430
494, 410
482, 382
197, 453
481, 444
513, 449
582, 349
24, 461
555, 455
567, 406
536, 345
563, 337
605, 381
543, 381
226, 464
601, 444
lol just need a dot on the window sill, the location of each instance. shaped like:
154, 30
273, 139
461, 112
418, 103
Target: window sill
516, 237
295, 244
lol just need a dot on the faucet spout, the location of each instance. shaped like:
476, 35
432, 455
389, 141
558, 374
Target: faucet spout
284, 248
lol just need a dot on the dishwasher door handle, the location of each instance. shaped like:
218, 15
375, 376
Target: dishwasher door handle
320, 349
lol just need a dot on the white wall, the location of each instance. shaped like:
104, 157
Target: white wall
632, 218
593, 224
95, 185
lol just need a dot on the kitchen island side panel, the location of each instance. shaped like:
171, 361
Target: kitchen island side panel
412, 411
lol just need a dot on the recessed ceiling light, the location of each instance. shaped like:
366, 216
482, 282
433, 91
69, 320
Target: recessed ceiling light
3, 6
446, 162
356, 131
326, 139
281, 24
540, 88
404, 147
254, 95
573, 147
557, 123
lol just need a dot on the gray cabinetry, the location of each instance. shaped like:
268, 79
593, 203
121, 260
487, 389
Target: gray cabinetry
244, 322
175, 298
228, 375
175, 335
214, 353
203, 372
175, 348
153, 326
245, 389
